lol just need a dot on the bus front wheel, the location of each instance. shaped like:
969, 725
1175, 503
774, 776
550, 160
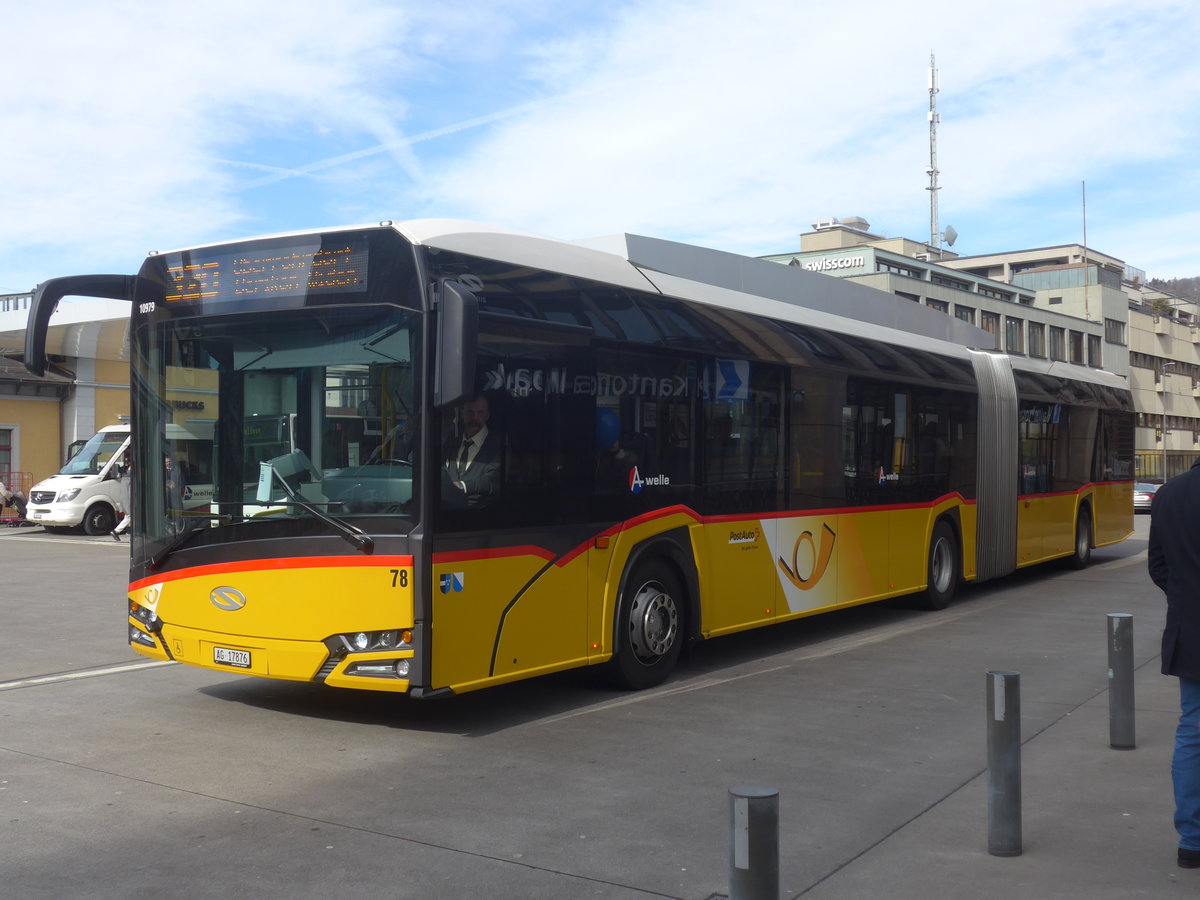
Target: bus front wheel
649, 633
943, 571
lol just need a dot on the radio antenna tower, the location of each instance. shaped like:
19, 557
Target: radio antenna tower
935, 238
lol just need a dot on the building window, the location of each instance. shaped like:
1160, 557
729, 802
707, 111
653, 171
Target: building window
1055, 301
1114, 331
1058, 343
1077, 347
940, 305
949, 282
913, 297
966, 313
995, 294
884, 266
1014, 335
1037, 340
1094, 351
6, 436
990, 322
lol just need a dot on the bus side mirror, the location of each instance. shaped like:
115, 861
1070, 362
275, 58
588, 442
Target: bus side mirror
45, 301
457, 336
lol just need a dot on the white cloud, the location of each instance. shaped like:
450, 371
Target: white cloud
143, 125
686, 121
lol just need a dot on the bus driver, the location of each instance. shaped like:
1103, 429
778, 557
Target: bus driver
472, 464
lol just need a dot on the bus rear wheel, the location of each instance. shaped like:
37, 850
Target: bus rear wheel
1083, 541
943, 571
649, 633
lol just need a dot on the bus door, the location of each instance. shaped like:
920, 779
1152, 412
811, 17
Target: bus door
871, 483
1034, 423
743, 478
510, 556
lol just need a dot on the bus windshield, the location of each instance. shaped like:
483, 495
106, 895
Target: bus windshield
313, 419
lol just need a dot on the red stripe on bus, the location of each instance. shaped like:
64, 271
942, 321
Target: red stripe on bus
1044, 494
260, 565
840, 510
453, 556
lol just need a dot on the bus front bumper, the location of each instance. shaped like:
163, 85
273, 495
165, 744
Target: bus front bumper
377, 670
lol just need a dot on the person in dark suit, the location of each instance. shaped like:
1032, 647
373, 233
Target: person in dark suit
471, 464
1174, 562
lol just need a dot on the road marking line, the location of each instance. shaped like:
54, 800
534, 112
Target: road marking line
1135, 560
89, 541
86, 673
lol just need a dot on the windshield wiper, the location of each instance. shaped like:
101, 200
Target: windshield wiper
174, 544
353, 535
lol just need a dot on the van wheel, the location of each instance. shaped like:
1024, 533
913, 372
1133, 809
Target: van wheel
649, 632
943, 573
99, 519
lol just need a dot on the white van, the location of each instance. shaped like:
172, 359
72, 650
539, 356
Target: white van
91, 490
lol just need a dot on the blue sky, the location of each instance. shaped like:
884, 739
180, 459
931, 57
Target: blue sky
136, 126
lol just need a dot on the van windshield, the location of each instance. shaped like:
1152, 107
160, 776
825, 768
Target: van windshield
95, 454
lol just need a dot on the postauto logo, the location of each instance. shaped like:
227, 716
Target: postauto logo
805, 577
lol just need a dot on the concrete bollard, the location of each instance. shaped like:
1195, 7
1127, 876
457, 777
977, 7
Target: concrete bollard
1004, 763
753, 843
1122, 733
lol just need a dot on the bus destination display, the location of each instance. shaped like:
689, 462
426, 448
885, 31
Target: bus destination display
258, 273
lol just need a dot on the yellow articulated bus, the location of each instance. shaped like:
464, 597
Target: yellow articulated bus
447, 456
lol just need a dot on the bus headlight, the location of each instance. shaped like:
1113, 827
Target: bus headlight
380, 668
148, 617
370, 641
139, 637
344, 648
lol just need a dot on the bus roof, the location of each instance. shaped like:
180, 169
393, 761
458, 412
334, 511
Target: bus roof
732, 281
714, 277
723, 279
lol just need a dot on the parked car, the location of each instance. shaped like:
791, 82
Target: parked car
1143, 496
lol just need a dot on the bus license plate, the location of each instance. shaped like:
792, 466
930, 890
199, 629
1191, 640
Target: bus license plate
227, 657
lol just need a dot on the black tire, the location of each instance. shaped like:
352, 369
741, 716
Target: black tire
1082, 554
943, 569
650, 626
99, 519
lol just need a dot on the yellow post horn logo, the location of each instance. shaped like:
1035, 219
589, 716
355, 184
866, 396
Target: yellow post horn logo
821, 558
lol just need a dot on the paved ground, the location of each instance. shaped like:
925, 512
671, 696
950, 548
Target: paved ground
119, 779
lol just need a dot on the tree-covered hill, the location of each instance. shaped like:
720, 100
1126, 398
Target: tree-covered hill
1182, 287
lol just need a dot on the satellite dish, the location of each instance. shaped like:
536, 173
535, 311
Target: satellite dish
951, 235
